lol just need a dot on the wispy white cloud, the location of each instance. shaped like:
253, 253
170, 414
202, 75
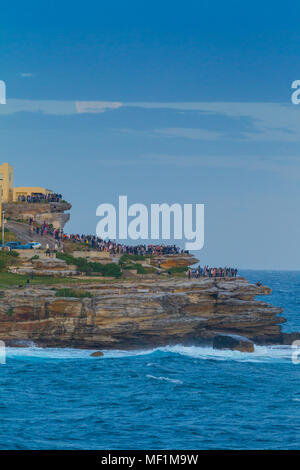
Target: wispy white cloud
58, 108
95, 107
285, 166
273, 122
188, 133
26, 74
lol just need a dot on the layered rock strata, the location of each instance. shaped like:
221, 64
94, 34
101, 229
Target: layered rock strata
141, 314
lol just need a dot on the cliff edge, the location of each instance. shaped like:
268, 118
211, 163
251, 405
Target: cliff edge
140, 314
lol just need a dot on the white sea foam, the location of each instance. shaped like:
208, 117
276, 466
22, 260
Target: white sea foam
67, 353
261, 353
165, 379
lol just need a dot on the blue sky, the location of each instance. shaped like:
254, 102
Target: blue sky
183, 102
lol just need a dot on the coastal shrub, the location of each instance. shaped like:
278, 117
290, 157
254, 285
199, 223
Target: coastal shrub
139, 268
130, 257
112, 270
67, 292
178, 269
129, 266
65, 257
84, 266
109, 269
35, 257
81, 263
12, 253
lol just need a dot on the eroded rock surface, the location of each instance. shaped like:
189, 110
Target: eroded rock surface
141, 314
51, 213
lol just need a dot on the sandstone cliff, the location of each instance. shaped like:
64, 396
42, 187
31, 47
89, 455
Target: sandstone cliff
51, 213
141, 314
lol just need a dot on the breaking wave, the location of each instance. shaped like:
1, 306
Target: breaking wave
261, 353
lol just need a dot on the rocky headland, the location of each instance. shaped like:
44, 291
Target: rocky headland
123, 302
139, 314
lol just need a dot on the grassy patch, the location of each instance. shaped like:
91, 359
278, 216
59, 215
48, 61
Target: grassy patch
84, 266
178, 269
139, 268
78, 293
15, 280
107, 270
126, 258
7, 258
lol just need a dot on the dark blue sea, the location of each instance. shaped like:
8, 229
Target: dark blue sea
168, 398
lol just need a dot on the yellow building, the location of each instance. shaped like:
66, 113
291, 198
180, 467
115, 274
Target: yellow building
10, 194
6, 183
29, 191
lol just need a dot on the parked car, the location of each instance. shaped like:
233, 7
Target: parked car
29, 246
35, 245
16, 245
13, 245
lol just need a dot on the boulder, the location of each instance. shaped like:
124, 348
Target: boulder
233, 342
97, 354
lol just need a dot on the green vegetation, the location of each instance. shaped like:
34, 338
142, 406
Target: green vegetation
107, 270
84, 266
178, 269
67, 292
2, 263
129, 266
20, 280
7, 258
139, 268
10, 312
127, 258
12, 253
35, 257
127, 261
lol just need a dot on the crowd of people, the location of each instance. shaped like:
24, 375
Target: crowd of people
47, 229
207, 271
96, 243
50, 197
114, 248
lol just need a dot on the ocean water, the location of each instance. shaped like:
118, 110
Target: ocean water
167, 398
